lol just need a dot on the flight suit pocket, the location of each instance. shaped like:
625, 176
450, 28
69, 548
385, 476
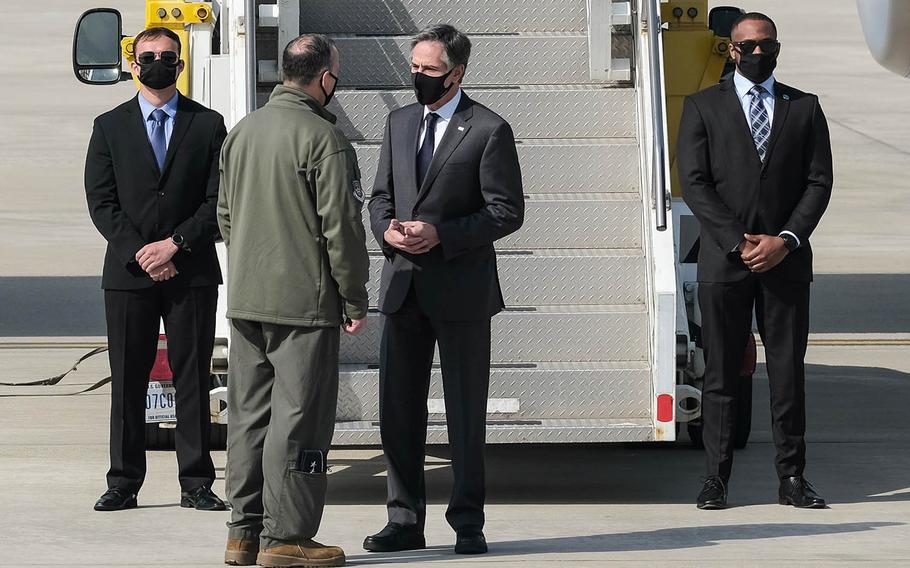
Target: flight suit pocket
301, 503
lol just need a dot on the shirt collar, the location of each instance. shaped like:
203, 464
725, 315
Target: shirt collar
743, 85
446, 111
170, 107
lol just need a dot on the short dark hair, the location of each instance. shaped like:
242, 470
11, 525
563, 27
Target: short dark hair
306, 58
457, 45
756, 17
155, 33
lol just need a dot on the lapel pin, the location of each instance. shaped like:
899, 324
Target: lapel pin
461, 128
786, 97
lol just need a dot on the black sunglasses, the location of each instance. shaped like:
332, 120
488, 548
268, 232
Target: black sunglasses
748, 46
168, 57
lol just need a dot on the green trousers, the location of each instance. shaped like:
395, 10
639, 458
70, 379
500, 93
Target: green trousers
282, 392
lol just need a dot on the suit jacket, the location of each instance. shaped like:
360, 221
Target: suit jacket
730, 190
132, 203
472, 194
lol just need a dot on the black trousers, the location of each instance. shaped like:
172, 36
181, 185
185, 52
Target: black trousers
133, 318
782, 311
408, 342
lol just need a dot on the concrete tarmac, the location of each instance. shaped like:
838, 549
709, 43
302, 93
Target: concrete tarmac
583, 505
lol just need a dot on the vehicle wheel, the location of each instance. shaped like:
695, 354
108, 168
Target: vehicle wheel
694, 430
743, 413
157, 438
218, 439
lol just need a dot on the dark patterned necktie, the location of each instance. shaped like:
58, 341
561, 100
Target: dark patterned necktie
760, 121
425, 154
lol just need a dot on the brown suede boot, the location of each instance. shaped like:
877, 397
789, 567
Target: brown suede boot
241, 552
303, 554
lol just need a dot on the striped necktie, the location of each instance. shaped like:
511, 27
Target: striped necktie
760, 121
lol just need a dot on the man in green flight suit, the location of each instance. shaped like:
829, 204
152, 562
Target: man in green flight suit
290, 214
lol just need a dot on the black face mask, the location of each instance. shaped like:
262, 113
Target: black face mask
430, 89
158, 74
329, 96
757, 67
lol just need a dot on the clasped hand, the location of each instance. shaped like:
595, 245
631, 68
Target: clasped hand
414, 237
761, 253
155, 259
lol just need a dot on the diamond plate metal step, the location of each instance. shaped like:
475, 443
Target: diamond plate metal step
546, 334
544, 113
553, 223
560, 278
543, 392
595, 166
542, 59
404, 17
536, 432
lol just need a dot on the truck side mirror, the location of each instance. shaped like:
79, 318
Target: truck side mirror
721, 18
96, 47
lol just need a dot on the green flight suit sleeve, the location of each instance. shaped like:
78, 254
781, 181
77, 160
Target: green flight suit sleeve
339, 203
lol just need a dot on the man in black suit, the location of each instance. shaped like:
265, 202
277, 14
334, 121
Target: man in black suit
448, 186
151, 180
754, 160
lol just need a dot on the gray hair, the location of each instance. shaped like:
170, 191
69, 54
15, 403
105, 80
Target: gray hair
457, 45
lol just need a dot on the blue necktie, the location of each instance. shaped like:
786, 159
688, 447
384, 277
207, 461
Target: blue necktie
425, 154
158, 138
761, 122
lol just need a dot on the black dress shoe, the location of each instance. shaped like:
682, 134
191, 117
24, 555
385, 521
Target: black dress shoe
798, 492
395, 538
116, 499
201, 499
713, 494
472, 542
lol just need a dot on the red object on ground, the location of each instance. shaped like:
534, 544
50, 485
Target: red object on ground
750, 358
161, 370
664, 408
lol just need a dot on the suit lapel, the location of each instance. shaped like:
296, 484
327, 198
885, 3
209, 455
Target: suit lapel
137, 131
182, 121
781, 109
733, 107
455, 133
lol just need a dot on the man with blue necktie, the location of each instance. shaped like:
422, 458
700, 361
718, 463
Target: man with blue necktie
151, 181
754, 161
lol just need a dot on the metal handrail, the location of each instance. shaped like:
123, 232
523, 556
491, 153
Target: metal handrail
659, 142
251, 19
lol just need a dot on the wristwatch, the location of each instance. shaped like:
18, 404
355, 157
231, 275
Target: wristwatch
178, 240
790, 241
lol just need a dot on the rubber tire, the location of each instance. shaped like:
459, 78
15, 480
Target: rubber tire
743, 413
157, 438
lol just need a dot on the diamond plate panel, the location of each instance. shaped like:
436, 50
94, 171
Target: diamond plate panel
543, 394
563, 280
577, 224
616, 333
367, 17
560, 167
547, 432
532, 60
544, 113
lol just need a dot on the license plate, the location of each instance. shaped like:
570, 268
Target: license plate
160, 402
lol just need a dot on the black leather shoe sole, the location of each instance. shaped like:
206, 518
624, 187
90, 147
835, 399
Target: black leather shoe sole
188, 503
128, 504
397, 544
813, 505
711, 505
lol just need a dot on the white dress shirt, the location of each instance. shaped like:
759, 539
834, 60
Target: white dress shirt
743, 86
445, 112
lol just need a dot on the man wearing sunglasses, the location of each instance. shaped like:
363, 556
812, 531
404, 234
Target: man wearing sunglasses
151, 180
754, 160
